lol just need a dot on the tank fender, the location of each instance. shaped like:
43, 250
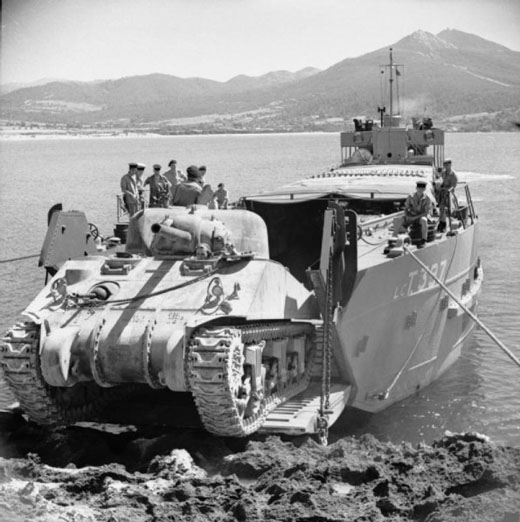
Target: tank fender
172, 374
55, 356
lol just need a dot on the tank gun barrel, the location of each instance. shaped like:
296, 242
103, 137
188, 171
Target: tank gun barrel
171, 232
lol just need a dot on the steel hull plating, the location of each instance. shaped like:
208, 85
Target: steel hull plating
400, 330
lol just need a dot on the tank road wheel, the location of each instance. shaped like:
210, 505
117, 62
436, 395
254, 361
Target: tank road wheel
20, 361
230, 388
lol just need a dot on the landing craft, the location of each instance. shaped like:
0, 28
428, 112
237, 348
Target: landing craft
273, 317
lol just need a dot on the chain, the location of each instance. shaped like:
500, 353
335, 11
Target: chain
323, 424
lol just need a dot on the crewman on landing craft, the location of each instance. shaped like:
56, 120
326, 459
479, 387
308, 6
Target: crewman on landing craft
449, 182
417, 208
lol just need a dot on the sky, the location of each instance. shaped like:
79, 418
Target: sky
88, 40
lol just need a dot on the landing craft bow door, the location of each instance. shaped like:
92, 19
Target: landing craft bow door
339, 242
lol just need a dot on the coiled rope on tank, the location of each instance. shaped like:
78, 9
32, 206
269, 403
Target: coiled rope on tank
475, 319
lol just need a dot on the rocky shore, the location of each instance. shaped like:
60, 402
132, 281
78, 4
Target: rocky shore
84, 474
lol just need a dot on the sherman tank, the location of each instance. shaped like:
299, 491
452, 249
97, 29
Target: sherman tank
192, 305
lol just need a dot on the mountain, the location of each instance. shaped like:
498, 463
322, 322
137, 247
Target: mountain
451, 73
9, 87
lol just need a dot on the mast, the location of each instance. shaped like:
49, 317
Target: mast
391, 84
393, 117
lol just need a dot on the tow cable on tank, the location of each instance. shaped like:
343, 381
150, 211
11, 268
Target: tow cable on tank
75, 300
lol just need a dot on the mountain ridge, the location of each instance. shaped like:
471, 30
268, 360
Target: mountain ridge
450, 72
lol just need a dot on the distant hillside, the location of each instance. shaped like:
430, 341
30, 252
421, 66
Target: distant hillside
451, 73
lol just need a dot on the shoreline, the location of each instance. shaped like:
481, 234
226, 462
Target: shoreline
38, 136
160, 475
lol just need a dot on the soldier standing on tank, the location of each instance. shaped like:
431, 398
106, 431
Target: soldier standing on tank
222, 196
174, 176
159, 188
129, 189
188, 192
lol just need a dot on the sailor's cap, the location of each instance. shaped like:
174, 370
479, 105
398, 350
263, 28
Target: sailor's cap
156, 166
202, 168
141, 166
132, 165
421, 183
447, 160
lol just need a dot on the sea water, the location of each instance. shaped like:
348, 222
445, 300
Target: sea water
480, 392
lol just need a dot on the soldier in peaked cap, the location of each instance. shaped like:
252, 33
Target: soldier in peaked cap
129, 189
417, 208
449, 182
159, 188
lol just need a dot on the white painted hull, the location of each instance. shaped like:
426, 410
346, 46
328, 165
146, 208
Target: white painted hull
400, 331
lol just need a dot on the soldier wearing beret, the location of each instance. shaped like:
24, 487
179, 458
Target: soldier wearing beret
188, 192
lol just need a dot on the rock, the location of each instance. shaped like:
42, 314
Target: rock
175, 465
77, 474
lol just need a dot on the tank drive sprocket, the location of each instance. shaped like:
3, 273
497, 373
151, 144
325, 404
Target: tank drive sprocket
227, 402
19, 357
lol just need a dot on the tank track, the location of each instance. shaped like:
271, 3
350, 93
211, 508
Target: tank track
43, 404
214, 365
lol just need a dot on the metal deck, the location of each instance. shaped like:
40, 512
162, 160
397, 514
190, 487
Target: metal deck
299, 415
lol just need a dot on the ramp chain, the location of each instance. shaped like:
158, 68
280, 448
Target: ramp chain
19, 358
215, 369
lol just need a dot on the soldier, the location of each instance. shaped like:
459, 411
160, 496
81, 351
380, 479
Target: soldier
417, 208
159, 188
140, 183
129, 189
449, 182
202, 170
188, 191
222, 196
174, 176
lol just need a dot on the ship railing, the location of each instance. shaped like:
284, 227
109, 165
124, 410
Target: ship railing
122, 211
380, 222
459, 209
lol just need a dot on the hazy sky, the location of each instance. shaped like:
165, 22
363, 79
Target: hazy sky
218, 39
